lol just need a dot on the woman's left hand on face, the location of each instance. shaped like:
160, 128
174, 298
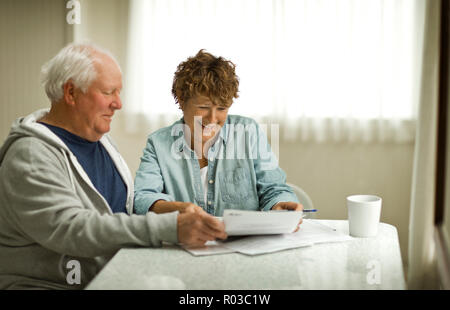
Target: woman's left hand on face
292, 206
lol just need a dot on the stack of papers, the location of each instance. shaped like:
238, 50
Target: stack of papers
244, 223
311, 232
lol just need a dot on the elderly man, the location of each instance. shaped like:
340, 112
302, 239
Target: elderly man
66, 194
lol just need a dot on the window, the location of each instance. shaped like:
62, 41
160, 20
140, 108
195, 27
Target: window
339, 70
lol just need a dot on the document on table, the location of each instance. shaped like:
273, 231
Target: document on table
311, 232
210, 248
244, 223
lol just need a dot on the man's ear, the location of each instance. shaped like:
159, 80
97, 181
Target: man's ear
69, 92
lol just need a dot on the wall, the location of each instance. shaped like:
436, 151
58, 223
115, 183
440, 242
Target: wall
331, 172
33, 31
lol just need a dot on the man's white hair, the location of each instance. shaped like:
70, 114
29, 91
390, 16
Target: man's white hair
74, 62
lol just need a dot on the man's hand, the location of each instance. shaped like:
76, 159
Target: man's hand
195, 228
292, 206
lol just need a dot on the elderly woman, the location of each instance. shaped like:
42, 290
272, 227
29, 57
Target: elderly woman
209, 160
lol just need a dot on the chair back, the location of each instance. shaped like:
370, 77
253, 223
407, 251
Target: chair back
304, 198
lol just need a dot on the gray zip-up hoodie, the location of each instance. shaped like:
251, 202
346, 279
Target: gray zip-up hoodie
51, 215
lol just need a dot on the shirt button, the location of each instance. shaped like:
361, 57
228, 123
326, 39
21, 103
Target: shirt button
211, 181
211, 158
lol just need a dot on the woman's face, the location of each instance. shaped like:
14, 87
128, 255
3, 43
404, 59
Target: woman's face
204, 118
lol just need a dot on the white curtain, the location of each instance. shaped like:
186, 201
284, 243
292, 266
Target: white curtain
323, 70
421, 252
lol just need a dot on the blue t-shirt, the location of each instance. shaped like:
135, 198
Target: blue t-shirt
98, 165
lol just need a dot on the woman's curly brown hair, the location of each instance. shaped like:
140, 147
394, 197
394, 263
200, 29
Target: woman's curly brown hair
206, 75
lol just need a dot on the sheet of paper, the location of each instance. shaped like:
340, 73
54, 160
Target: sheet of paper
264, 244
241, 222
315, 232
311, 232
210, 248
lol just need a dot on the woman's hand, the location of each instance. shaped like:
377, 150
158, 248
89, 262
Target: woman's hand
188, 207
290, 206
162, 206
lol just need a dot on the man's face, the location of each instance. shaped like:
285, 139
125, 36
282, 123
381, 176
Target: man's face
204, 118
96, 107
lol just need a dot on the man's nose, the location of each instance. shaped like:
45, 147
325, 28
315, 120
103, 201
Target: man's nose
117, 102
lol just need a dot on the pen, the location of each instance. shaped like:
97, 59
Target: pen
310, 210
306, 210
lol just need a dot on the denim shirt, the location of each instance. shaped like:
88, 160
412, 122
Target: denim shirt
243, 172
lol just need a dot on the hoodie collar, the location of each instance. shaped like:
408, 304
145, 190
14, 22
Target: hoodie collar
29, 127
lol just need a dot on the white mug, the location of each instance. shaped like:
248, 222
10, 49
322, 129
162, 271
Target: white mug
363, 215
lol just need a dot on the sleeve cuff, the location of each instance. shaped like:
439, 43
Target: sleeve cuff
142, 205
163, 227
281, 198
